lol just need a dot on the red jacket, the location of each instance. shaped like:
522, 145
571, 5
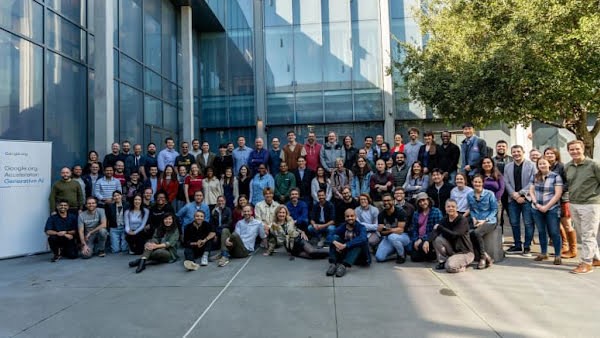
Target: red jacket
171, 188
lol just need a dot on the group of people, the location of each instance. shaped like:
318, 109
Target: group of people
430, 201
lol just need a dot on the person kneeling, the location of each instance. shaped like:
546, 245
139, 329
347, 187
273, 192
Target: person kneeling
241, 242
61, 228
349, 245
162, 248
198, 237
451, 240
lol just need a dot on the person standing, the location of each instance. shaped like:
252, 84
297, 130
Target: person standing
105, 186
284, 182
381, 182
449, 155
92, 158
222, 161
66, 189
240, 155
77, 171
258, 156
440, 190
133, 162
473, 149
304, 177
115, 214
398, 145
260, 181
193, 182
502, 158
111, 159
429, 153
292, 151
168, 183
351, 152
361, 180
91, 179
196, 148
331, 151
212, 188
148, 161
230, 188
313, 151
206, 158
275, 156
340, 178
60, 229
185, 158
411, 149
400, 169
168, 155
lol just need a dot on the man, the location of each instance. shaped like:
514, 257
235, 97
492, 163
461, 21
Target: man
133, 187
473, 150
346, 202
186, 214
313, 151
292, 151
168, 155
298, 210
381, 182
284, 182
198, 237
105, 186
133, 162
152, 180
76, 176
448, 157
440, 190
518, 177
148, 161
330, 152
222, 161
583, 177
66, 189
206, 158
240, 155
411, 149
392, 227
125, 151
241, 242
369, 148
341, 177
185, 158
377, 147
91, 179
501, 158
110, 159
92, 229
348, 246
265, 209
408, 208
304, 177
115, 215
157, 213
230, 148
220, 218
195, 148
258, 156
274, 156
534, 155
61, 228
120, 172
400, 170
321, 219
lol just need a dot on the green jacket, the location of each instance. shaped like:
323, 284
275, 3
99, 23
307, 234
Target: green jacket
584, 182
171, 240
70, 191
283, 184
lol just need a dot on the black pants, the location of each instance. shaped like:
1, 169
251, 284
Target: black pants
477, 235
66, 245
136, 242
420, 256
193, 252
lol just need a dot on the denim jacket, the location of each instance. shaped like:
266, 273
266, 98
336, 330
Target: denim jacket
484, 209
361, 186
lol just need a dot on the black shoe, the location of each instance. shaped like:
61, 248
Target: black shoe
440, 266
141, 267
340, 271
135, 262
331, 270
527, 252
401, 259
513, 250
55, 258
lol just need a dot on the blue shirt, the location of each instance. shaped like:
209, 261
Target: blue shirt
248, 232
186, 214
484, 209
240, 157
274, 161
58, 224
147, 162
256, 158
257, 185
299, 213
165, 157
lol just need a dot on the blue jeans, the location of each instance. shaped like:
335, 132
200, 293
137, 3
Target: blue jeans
391, 243
548, 222
514, 212
117, 240
325, 231
452, 177
347, 256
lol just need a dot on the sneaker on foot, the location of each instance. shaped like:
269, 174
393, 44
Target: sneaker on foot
440, 266
190, 265
55, 258
527, 252
340, 271
321, 243
215, 257
101, 253
514, 250
557, 261
582, 269
401, 259
204, 260
131, 252
541, 257
223, 261
331, 270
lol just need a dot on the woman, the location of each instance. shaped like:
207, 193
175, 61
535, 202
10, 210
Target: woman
493, 181
136, 218
546, 192
244, 177
320, 182
366, 214
362, 153
222, 161
567, 232
212, 188
351, 152
340, 178
168, 182
389, 164
424, 218
384, 151
283, 232
452, 242
180, 199
483, 210
230, 188
429, 153
242, 201
260, 181
193, 182
362, 177
416, 181
162, 248
460, 193
92, 158
398, 146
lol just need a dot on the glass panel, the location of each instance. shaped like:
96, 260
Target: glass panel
213, 64
131, 119
241, 111
280, 108
90, 15
153, 83
403, 8
91, 109
278, 12
21, 87
337, 56
130, 27
309, 107
170, 92
152, 34
65, 36
130, 71
365, 9
23, 17
170, 117
169, 41
116, 23
367, 70
338, 106
336, 10
368, 105
116, 107
72, 9
239, 14
307, 11
214, 112
195, 61
308, 42
241, 74
91, 50
66, 110
279, 59
153, 113
116, 65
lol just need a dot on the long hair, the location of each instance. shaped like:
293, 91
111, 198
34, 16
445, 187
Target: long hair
228, 180
495, 174
173, 173
556, 153
248, 175
164, 230
539, 177
287, 218
413, 165
432, 148
364, 171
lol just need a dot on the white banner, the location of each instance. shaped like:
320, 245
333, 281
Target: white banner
25, 182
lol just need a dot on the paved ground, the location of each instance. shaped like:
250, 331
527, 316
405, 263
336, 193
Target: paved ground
274, 297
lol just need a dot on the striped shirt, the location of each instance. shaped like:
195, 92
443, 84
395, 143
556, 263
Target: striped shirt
545, 190
105, 188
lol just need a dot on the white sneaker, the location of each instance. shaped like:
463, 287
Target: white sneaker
190, 265
204, 260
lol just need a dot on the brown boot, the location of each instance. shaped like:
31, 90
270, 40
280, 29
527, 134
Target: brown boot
563, 237
582, 269
488, 260
572, 238
596, 262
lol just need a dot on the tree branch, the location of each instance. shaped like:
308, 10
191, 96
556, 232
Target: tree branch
596, 128
554, 124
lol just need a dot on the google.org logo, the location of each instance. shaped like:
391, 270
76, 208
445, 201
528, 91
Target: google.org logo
9, 153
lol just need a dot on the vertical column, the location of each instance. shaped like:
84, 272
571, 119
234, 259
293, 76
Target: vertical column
259, 70
104, 96
388, 84
187, 64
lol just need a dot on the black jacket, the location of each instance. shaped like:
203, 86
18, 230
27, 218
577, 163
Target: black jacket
226, 219
111, 214
304, 184
89, 186
456, 232
440, 197
448, 157
351, 156
432, 160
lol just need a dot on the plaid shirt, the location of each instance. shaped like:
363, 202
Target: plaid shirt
434, 217
545, 190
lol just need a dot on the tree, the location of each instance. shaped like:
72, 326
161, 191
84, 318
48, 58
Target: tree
512, 61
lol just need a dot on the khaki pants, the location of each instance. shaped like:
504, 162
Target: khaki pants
587, 218
158, 255
237, 250
454, 262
